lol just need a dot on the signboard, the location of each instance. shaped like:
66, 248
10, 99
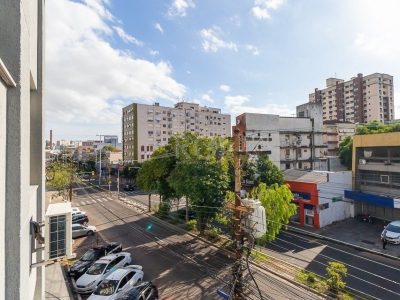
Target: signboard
396, 203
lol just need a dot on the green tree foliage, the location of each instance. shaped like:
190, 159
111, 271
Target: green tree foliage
377, 127
109, 148
346, 152
131, 171
267, 172
61, 177
335, 272
277, 201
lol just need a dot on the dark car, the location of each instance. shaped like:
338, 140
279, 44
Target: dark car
90, 256
129, 187
80, 219
143, 291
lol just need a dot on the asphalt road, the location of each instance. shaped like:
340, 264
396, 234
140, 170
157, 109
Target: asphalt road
182, 266
371, 274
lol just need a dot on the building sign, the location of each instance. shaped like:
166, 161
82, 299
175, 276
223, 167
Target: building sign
301, 196
396, 203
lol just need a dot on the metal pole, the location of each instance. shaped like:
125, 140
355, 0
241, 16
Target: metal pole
118, 182
100, 165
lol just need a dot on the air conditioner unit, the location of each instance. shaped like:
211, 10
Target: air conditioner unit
255, 223
362, 161
58, 231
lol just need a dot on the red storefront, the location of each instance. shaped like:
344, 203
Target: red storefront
306, 198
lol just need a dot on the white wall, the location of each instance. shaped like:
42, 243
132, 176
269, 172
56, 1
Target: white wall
337, 211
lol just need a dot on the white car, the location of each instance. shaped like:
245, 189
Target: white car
79, 230
391, 233
77, 211
118, 282
89, 281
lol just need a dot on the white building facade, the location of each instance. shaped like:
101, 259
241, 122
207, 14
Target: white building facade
289, 142
146, 127
21, 147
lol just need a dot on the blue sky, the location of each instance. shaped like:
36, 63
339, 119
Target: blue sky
241, 56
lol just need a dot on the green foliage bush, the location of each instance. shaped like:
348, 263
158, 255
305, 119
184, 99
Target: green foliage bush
191, 224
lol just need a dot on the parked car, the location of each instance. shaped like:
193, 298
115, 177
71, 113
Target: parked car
392, 232
77, 211
129, 187
143, 291
118, 282
80, 219
89, 281
79, 230
90, 256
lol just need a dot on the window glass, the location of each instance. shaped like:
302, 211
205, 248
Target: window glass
96, 269
106, 288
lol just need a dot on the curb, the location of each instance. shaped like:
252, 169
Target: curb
322, 237
70, 281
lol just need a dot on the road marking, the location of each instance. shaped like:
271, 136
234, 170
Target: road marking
99, 200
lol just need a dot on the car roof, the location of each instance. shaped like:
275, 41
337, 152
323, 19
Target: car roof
119, 273
395, 223
111, 257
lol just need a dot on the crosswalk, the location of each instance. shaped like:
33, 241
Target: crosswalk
90, 202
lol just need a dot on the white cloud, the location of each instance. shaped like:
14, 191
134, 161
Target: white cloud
178, 8
262, 8
253, 49
211, 41
154, 52
237, 105
225, 88
127, 38
158, 27
88, 81
207, 98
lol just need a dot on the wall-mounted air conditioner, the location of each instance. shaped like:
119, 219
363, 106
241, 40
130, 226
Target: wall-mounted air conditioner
58, 231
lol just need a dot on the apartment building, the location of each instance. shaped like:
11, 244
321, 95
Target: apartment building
376, 175
335, 133
359, 100
146, 127
22, 276
289, 142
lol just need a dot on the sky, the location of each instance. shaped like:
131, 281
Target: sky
241, 56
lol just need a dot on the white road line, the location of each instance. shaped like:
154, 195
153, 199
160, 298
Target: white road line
99, 200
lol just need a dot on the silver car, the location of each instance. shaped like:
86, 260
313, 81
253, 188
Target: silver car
79, 230
391, 233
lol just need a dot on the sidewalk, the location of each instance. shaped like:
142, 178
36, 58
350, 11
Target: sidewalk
351, 231
56, 284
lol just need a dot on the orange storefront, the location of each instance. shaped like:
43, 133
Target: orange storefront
306, 198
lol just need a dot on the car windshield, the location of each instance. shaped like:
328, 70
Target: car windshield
393, 228
106, 288
96, 269
90, 255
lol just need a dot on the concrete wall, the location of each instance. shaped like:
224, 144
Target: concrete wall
3, 99
340, 210
21, 51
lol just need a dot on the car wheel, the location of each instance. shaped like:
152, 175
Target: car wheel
90, 233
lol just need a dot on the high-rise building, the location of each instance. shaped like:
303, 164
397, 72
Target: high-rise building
146, 127
22, 157
359, 100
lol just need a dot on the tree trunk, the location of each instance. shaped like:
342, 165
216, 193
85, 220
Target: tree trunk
149, 202
70, 193
187, 210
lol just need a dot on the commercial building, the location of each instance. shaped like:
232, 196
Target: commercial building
146, 127
21, 148
319, 196
376, 175
335, 133
359, 100
289, 142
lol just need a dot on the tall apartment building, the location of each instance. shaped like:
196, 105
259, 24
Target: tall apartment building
146, 127
22, 171
289, 142
359, 100
335, 133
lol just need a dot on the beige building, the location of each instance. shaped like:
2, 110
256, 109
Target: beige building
359, 100
335, 133
146, 127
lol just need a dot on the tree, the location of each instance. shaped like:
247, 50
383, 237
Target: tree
267, 172
346, 152
205, 183
109, 148
61, 178
277, 201
335, 271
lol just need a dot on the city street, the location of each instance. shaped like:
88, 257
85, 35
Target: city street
371, 274
182, 266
